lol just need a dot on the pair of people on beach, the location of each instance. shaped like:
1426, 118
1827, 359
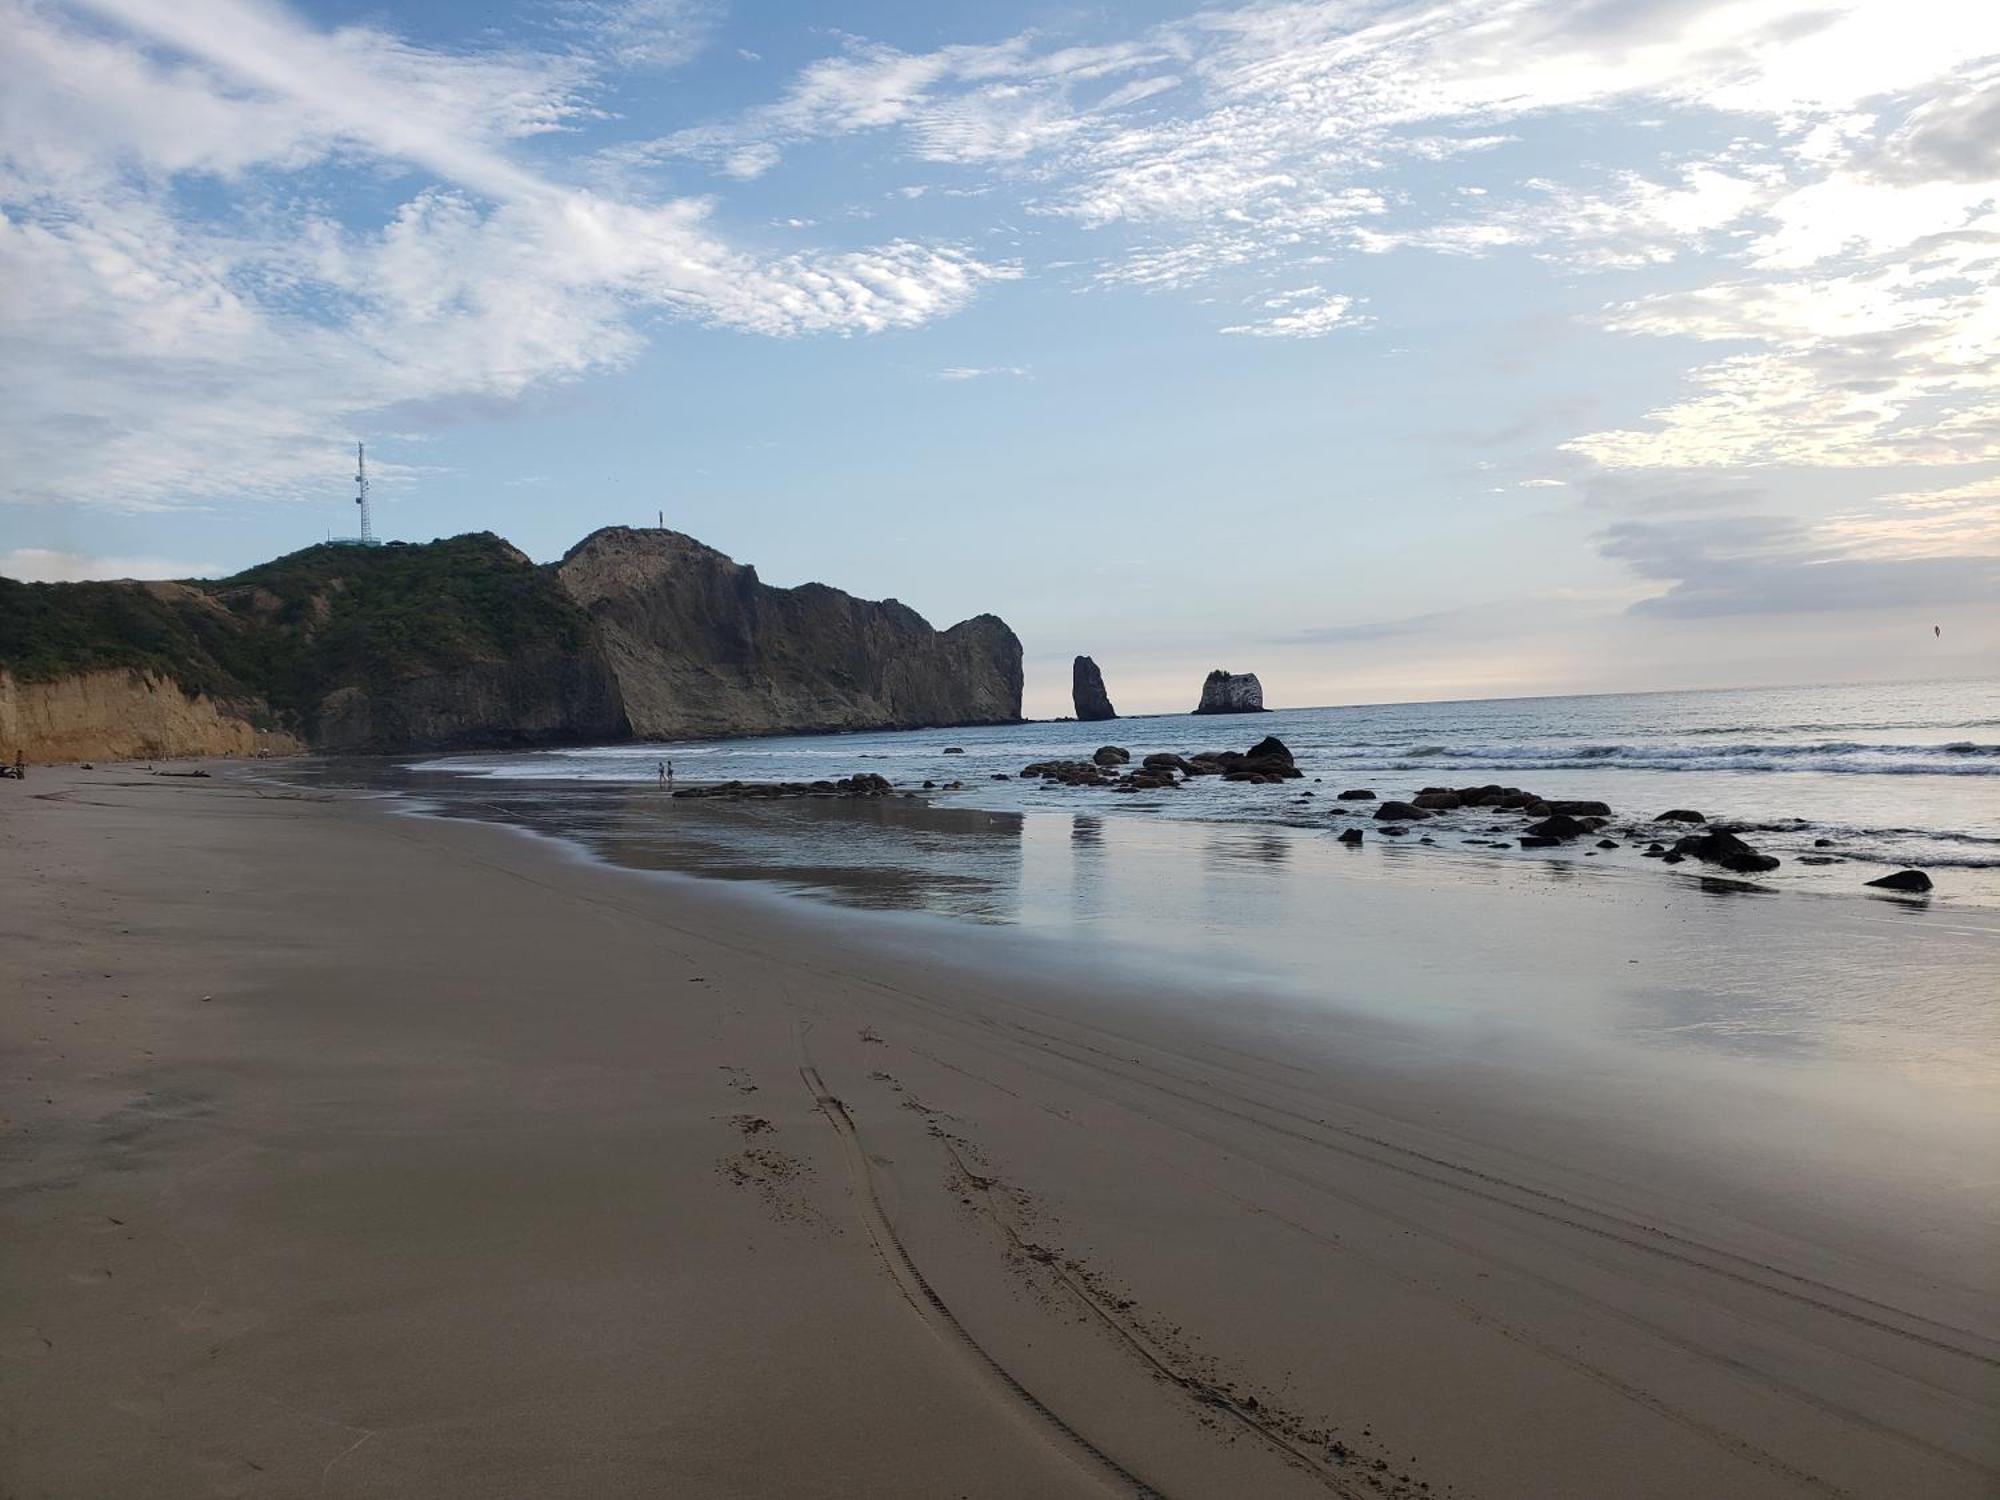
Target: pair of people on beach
666, 773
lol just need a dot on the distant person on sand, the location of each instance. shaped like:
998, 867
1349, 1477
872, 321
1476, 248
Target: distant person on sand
20, 766
663, 773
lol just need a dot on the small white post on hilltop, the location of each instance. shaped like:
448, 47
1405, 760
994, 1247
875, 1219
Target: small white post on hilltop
361, 493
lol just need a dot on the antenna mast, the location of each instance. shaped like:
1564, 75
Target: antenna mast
361, 492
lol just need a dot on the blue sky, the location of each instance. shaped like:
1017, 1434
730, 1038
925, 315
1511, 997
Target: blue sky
1388, 350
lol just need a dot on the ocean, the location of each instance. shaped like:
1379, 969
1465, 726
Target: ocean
1887, 776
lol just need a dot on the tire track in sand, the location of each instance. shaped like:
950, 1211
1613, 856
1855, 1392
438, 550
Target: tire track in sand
1074, 1446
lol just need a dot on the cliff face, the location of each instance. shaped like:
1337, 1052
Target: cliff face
1231, 693
123, 714
1086, 692
699, 647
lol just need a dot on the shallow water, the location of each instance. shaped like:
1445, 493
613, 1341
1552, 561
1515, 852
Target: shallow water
1892, 776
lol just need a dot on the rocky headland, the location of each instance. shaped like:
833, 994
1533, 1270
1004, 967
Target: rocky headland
466, 643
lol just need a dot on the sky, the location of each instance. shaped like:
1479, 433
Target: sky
1391, 351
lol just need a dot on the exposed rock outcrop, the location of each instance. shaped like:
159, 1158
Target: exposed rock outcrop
1231, 693
1086, 691
700, 646
125, 715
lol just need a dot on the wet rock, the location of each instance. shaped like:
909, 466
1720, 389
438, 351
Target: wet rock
1400, 811
1350, 835
1608, 844
1392, 831
1580, 809
1680, 815
1514, 801
1557, 827
1165, 762
1822, 843
1671, 858
866, 784
1436, 800
1539, 841
1269, 748
1111, 755
1357, 794
1903, 880
1821, 859
954, 749
1721, 847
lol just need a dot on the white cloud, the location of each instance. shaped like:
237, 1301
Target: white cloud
42, 565
177, 354
978, 372
1313, 319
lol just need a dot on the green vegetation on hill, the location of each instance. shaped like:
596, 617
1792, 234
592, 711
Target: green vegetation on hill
290, 631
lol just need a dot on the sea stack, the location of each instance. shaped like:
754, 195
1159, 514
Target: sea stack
1087, 692
1231, 693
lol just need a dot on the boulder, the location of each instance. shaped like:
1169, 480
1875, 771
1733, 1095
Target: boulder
1539, 841
1903, 880
1161, 761
1580, 809
1401, 812
1111, 755
1558, 826
1086, 691
1269, 748
1231, 693
1350, 836
1357, 794
1436, 800
1607, 843
1721, 847
1680, 815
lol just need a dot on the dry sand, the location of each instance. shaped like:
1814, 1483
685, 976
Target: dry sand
355, 1154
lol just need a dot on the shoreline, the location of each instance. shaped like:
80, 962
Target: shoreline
488, 1166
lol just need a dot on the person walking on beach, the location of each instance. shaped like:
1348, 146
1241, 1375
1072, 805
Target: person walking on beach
663, 773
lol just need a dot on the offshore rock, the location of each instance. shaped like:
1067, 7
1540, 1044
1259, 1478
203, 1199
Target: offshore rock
1086, 691
1903, 880
700, 646
1231, 693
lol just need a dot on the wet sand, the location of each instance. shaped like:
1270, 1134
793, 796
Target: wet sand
355, 1154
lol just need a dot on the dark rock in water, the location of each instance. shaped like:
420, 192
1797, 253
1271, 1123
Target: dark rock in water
1350, 836
1111, 755
1538, 809
1001, 776
1515, 801
1680, 815
1539, 841
1822, 843
1436, 800
1231, 693
867, 784
1721, 847
1269, 748
1903, 880
1427, 841
1556, 828
1607, 843
1821, 859
1580, 809
954, 749
1165, 762
1671, 858
930, 786
1400, 811
1392, 831
1086, 692
1357, 794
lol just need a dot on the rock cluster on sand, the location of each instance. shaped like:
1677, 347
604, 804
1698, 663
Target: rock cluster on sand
1721, 847
1231, 693
866, 784
1086, 691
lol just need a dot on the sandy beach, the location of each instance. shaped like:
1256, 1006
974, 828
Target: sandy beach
352, 1153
